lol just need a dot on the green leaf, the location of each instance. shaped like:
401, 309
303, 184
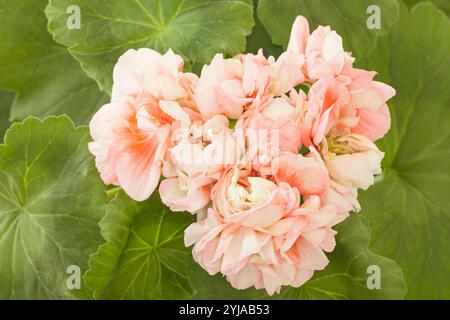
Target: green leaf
196, 29
207, 287
409, 209
48, 79
51, 200
6, 100
347, 17
348, 273
344, 278
144, 255
259, 38
444, 5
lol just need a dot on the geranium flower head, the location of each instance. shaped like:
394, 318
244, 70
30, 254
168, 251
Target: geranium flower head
267, 168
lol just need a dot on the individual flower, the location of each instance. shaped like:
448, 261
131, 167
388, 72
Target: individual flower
150, 94
200, 155
353, 160
229, 86
272, 129
343, 198
257, 233
307, 173
322, 111
334, 108
160, 76
323, 50
367, 103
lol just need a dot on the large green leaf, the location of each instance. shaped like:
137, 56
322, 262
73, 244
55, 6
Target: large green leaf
409, 209
196, 29
144, 256
344, 278
347, 17
6, 100
51, 200
48, 79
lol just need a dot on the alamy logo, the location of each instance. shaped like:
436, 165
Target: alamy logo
374, 20
74, 279
74, 20
374, 280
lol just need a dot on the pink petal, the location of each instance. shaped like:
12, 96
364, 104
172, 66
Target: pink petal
299, 35
373, 124
138, 175
310, 256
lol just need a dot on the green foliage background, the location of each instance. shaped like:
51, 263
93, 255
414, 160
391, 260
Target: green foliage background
55, 211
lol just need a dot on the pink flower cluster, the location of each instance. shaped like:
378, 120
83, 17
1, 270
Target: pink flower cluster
268, 153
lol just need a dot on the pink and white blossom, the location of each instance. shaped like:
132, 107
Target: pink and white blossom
323, 50
230, 86
258, 235
131, 134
